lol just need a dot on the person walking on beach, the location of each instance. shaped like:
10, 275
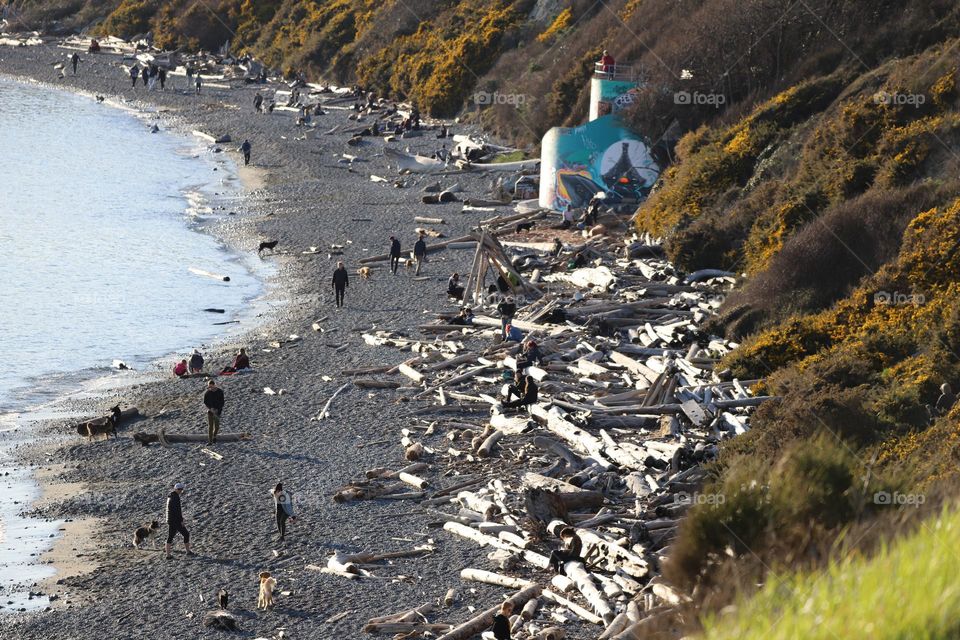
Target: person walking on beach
258, 102
199, 82
420, 252
213, 400
175, 521
340, 282
134, 74
196, 362
162, 77
145, 76
394, 254
283, 507
75, 60
245, 148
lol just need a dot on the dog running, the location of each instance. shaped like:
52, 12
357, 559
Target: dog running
269, 244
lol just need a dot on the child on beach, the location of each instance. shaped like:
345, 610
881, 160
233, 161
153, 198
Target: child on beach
501, 621
180, 369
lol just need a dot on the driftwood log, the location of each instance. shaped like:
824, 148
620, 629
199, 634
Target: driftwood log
482, 622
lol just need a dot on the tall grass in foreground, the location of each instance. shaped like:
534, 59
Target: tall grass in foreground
909, 589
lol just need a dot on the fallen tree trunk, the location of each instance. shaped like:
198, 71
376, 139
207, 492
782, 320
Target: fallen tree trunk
173, 438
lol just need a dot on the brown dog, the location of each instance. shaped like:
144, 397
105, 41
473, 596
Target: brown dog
364, 272
267, 585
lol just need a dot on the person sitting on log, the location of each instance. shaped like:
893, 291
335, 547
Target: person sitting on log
465, 317
454, 290
180, 369
512, 333
501, 621
529, 356
570, 550
524, 388
242, 361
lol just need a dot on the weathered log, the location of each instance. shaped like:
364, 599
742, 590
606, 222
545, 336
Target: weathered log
482, 622
529, 610
573, 606
576, 571
173, 438
489, 577
536, 559
485, 450
325, 412
552, 633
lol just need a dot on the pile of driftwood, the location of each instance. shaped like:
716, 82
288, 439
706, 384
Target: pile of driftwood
631, 402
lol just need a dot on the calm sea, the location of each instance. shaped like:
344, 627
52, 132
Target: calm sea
97, 233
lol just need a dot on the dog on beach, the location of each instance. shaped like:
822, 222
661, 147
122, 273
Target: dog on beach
147, 531
525, 226
267, 585
364, 273
409, 264
271, 244
101, 426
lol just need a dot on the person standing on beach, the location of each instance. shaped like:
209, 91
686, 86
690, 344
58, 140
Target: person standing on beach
199, 82
420, 252
134, 74
258, 102
394, 254
340, 282
213, 400
245, 148
75, 60
175, 521
162, 77
283, 507
145, 76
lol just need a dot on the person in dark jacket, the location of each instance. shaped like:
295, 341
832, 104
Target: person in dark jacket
571, 549
454, 290
340, 282
134, 74
145, 75
213, 400
420, 252
162, 77
175, 521
524, 388
501, 621
245, 148
258, 102
507, 308
75, 60
196, 362
283, 507
529, 355
394, 254
198, 81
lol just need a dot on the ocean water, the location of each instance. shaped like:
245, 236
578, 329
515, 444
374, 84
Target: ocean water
97, 234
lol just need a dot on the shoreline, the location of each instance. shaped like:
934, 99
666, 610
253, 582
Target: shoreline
74, 539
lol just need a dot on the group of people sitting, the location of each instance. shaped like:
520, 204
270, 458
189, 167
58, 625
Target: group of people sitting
195, 365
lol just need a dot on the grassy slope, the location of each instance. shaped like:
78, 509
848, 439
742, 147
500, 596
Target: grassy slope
906, 590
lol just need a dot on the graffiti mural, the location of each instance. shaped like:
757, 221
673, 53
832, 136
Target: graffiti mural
610, 96
602, 155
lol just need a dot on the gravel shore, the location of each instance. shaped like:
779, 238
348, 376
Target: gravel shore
305, 198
